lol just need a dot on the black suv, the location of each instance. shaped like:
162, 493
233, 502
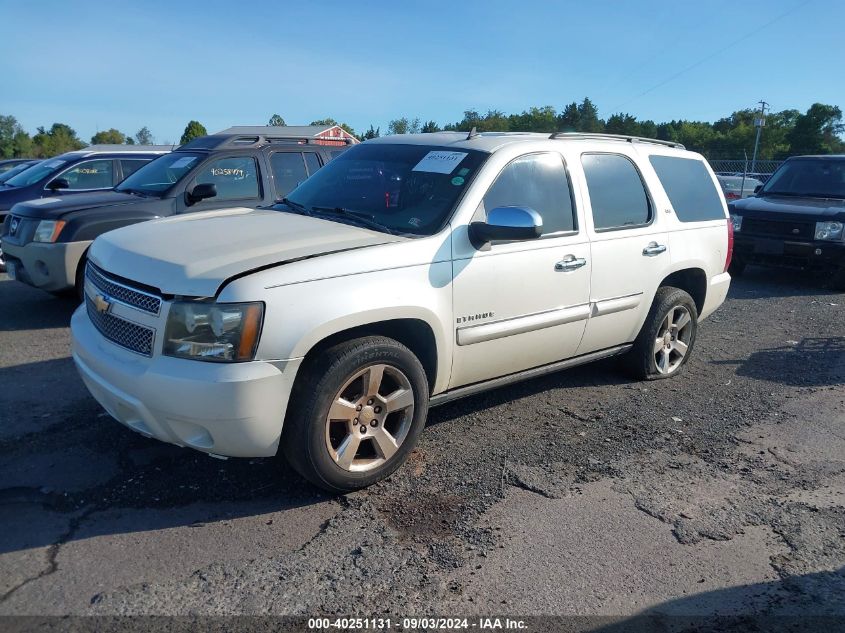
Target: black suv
45, 242
796, 220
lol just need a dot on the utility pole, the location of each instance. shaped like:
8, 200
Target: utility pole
758, 123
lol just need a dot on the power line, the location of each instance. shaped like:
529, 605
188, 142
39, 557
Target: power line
712, 55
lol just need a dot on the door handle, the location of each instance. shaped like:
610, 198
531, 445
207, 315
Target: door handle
570, 262
653, 249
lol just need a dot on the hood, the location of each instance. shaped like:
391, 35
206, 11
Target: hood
790, 206
52, 208
194, 254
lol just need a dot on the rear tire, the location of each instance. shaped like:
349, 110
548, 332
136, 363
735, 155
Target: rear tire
667, 337
356, 412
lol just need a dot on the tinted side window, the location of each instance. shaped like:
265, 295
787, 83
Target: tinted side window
537, 181
312, 162
617, 195
288, 171
690, 188
90, 174
131, 165
234, 177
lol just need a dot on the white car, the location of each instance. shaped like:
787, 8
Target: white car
410, 271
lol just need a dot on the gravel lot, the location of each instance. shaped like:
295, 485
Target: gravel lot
721, 491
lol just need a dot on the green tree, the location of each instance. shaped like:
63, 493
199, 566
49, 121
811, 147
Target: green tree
144, 136
623, 124
371, 133
108, 137
276, 121
534, 120
570, 119
193, 130
817, 131
23, 145
588, 117
404, 126
60, 138
12, 136
130, 140
430, 126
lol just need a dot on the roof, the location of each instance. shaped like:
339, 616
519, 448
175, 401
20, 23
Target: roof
258, 136
491, 141
122, 149
276, 130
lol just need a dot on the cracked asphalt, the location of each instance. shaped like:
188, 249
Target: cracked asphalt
721, 491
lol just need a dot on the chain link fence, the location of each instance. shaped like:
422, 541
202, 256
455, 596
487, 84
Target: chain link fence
762, 171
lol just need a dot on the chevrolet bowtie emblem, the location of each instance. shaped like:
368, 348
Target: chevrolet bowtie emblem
102, 303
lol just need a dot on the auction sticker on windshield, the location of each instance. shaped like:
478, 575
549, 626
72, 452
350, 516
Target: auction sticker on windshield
440, 162
183, 162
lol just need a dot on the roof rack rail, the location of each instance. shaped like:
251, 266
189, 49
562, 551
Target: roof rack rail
262, 139
616, 137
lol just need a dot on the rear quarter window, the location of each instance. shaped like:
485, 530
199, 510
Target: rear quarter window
690, 188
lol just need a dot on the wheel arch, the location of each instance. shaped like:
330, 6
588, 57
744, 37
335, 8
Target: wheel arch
413, 332
692, 280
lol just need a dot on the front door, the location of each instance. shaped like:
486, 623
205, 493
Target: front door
522, 304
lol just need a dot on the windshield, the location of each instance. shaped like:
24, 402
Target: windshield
161, 173
37, 172
816, 178
409, 189
14, 171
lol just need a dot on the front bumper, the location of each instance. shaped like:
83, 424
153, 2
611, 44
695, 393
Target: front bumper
230, 409
49, 266
803, 254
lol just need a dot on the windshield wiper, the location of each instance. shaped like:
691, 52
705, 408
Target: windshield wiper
134, 192
295, 206
361, 217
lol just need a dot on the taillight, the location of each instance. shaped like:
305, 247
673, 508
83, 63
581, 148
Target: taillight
730, 195
730, 245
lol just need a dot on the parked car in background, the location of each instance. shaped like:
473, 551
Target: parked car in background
736, 187
10, 163
796, 220
16, 169
95, 168
410, 271
45, 240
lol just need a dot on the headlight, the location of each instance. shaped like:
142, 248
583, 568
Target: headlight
829, 230
736, 220
48, 230
220, 332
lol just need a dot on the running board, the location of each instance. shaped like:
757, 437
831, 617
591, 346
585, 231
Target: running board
495, 383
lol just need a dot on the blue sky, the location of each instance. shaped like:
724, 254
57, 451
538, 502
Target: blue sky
96, 65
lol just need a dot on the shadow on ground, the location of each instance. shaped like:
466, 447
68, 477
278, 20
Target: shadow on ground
811, 602
32, 309
811, 362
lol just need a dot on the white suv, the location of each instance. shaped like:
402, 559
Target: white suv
410, 271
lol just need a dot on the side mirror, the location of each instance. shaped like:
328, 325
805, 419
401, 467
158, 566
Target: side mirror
202, 191
507, 224
757, 189
58, 183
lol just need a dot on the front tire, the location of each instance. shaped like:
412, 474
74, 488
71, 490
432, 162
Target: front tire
356, 413
666, 339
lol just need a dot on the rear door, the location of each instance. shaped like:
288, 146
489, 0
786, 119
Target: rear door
289, 168
629, 246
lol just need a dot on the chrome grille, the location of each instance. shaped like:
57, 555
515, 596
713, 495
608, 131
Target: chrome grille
121, 292
136, 338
